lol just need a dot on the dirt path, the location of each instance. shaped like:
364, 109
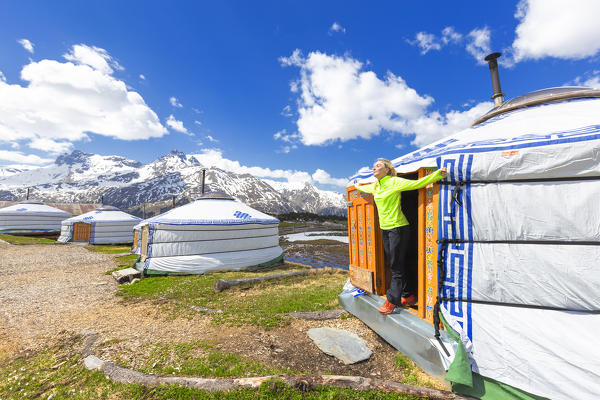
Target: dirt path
47, 291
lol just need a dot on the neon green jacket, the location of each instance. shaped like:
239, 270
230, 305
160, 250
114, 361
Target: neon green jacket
386, 193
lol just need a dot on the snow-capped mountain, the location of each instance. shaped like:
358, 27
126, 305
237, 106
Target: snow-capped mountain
79, 177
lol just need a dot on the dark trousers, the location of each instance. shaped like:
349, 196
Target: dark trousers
395, 246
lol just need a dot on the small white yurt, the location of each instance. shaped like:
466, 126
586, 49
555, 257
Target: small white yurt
31, 217
105, 225
214, 233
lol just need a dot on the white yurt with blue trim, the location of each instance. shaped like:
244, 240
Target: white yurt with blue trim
519, 244
31, 217
214, 233
105, 225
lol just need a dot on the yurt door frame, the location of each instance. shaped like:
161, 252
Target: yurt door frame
144, 244
365, 246
136, 238
81, 232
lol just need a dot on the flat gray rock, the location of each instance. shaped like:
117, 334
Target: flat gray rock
93, 362
126, 275
345, 346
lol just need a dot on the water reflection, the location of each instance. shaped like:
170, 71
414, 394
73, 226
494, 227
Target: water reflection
320, 253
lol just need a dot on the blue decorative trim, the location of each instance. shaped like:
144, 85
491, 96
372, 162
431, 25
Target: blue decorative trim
93, 232
449, 146
458, 262
248, 221
108, 221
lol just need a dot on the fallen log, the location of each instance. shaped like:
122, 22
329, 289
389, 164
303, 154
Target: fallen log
223, 284
300, 382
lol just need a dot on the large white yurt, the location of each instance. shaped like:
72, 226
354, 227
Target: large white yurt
105, 225
517, 255
214, 233
31, 217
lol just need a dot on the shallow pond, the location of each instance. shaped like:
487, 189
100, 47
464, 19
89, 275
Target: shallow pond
318, 251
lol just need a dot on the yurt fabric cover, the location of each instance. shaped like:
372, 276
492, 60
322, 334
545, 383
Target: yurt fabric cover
210, 235
109, 225
521, 265
31, 216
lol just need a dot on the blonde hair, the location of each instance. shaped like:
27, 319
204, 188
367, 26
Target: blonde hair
388, 164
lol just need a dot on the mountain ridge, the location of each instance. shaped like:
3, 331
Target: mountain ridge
80, 177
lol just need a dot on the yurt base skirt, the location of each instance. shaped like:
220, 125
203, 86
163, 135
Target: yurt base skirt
200, 264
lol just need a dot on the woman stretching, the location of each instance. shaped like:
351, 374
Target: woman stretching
394, 226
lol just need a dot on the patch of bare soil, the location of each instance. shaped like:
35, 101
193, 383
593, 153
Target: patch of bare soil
46, 291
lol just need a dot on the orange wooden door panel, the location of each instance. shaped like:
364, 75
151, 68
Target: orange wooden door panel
81, 232
365, 247
428, 249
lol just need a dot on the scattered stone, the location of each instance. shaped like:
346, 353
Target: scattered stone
89, 338
206, 310
135, 280
126, 275
92, 362
317, 315
345, 346
98, 283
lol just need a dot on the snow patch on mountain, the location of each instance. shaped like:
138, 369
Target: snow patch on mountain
80, 177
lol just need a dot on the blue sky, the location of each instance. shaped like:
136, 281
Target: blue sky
297, 90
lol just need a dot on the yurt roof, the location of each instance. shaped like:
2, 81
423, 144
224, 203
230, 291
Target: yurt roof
527, 122
210, 211
33, 207
104, 215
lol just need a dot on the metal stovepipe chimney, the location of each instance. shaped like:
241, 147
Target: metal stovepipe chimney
498, 96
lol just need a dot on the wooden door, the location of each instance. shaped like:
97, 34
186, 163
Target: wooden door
81, 232
136, 238
365, 246
144, 244
428, 248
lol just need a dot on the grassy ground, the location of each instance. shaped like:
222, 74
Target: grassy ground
25, 239
58, 373
108, 248
262, 306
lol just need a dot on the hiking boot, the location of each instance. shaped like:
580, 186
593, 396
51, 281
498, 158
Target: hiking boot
408, 301
387, 308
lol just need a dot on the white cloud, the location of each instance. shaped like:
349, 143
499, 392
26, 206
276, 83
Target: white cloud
287, 111
93, 56
2, 77
197, 122
284, 136
142, 77
336, 27
176, 125
591, 79
211, 139
426, 42
554, 28
174, 102
337, 100
27, 45
50, 146
478, 44
324, 178
64, 101
449, 35
214, 158
433, 126
17, 156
